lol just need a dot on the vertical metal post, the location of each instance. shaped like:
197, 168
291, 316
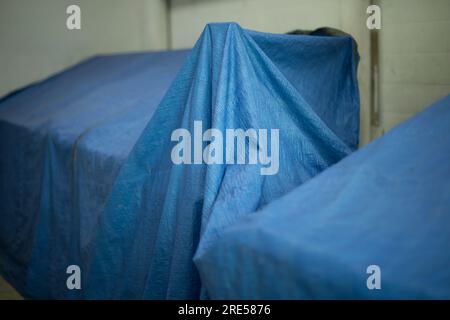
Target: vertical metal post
374, 76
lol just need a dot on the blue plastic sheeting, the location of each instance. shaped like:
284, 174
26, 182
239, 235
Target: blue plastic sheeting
141, 243
387, 204
158, 212
62, 143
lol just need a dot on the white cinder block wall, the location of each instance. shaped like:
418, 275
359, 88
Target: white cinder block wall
414, 39
34, 40
415, 57
188, 19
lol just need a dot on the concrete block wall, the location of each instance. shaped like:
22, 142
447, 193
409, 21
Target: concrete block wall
34, 40
414, 41
414, 57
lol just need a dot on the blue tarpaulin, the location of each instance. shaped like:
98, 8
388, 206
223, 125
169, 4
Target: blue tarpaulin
72, 192
386, 207
62, 143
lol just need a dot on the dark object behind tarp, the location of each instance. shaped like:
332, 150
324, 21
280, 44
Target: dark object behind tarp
327, 32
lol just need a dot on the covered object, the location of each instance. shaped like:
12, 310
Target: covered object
86, 175
383, 211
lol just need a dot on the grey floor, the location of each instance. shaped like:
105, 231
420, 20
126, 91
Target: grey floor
7, 292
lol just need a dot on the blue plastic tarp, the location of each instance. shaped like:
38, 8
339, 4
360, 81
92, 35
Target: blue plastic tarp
62, 143
135, 236
386, 207
158, 212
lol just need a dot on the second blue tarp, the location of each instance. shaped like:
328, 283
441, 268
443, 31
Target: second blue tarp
160, 214
374, 226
